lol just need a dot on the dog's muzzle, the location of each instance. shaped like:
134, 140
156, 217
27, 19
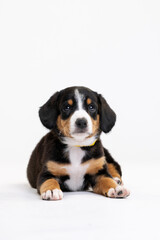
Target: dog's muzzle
81, 125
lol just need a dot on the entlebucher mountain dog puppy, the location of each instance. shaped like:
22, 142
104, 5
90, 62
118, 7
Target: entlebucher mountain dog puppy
71, 156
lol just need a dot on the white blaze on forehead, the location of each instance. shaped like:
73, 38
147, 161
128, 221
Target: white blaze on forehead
80, 113
79, 97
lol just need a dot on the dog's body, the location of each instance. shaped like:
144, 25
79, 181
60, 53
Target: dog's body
71, 156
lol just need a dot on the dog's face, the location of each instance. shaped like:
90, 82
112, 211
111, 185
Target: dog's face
78, 113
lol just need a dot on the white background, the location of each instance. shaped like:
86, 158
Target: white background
112, 47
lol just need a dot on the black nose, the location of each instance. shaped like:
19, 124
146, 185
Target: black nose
81, 123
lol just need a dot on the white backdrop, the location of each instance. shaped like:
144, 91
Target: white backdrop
112, 47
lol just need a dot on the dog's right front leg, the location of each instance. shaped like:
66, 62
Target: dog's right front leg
48, 187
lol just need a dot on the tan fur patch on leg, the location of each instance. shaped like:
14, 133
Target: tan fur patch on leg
103, 185
64, 126
56, 169
95, 165
49, 184
112, 170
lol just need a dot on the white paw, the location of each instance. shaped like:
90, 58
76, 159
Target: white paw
118, 192
118, 180
55, 194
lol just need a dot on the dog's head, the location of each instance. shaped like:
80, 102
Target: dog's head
78, 113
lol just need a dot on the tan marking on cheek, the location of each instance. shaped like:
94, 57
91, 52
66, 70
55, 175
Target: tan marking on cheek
103, 185
112, 170
64, 126
56, 169
70, 102
89, 101
95, 165
95, 126
49, 184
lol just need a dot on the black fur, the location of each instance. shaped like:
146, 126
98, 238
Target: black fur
49, 111
51, 146
107, 115
111, 160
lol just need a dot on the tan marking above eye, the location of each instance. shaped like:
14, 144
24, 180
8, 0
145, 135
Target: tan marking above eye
89, 101
70, 102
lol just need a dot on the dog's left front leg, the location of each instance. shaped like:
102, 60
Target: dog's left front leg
108, 187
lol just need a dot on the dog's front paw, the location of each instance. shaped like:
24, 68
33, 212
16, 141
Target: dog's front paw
118, 192
55, 194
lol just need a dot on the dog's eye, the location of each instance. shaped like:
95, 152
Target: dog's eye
91, 108
66, 108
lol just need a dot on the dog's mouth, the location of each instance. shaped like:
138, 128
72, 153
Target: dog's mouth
75, 134
80, 131
81, 135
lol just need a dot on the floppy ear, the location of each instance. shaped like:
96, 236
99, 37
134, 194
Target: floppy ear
107, 115
48, 113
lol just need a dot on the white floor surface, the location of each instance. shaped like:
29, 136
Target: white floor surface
83, 215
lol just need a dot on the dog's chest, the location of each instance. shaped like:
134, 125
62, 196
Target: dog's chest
76, 170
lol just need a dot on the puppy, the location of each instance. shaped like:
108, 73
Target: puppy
71, 156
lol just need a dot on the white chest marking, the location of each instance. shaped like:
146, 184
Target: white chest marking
76, 170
